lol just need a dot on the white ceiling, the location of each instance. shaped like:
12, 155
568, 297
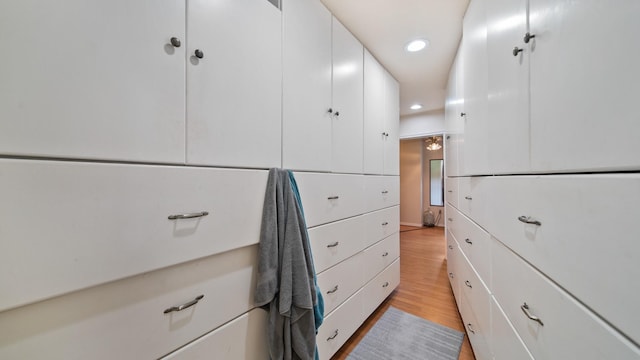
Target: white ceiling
385, 27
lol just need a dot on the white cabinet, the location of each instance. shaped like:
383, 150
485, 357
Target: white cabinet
76, 85
347, 98
381, 119
454, 123
322, 111
476, 159
584, 77
234, 93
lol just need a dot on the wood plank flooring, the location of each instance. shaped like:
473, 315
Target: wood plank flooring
424, 288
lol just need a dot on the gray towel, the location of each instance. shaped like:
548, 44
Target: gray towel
285, 273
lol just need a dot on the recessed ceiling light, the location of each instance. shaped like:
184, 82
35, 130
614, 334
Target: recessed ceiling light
417, 45
416, 107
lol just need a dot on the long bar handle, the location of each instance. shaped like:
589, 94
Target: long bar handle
529, 220
185, 305
335, 288
333, 198
188, 216
525, 310
335, 334
333, 244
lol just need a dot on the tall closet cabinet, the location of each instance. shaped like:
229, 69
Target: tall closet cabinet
135, 139
543, 179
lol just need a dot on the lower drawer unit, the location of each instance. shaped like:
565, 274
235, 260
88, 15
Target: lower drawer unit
381, 287
380, 255
381, 191
341, 281
244, 338
479, 335
476, 293
339, 325
551, 323
336, 241
142, 317
506, 344
380, 224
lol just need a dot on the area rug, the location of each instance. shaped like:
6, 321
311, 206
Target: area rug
399, 335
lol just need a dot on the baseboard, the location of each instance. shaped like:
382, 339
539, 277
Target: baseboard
410, 224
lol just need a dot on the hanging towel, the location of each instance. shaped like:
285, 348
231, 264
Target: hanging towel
286, 278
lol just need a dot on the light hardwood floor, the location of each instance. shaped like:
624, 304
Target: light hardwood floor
424, 288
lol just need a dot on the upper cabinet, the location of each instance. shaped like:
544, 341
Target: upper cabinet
454, 121
322, 114
234, 83
381, 119
93, 79
584, 75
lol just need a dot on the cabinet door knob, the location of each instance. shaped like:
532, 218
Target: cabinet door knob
330, 111
175, 42
463, 114
528, 37
337, 113
516, 51
199, 54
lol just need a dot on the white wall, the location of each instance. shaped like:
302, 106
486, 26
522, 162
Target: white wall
422, 124
411, 182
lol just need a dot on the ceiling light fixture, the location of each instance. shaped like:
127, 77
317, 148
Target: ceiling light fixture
415, 107
417, 45
433, 143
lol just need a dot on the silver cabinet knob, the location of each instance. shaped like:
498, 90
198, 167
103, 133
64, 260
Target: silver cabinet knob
516, 51
175, 42
199, 54
528, 37
330, 111
337, 113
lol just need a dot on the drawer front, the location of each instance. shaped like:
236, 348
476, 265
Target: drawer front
339, 326
380, 287
341, 281
589, 215
505, 344
453, 259
451, 194
475, 243
336, 241
244, 338
126, 319
472, 198
88, 224
453, 223
476, 293
380, 255
380, 224
330, 197
479, 336
567, 330
381, 191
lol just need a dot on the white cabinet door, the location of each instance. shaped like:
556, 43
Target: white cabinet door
584, 77
391, 161
93, 79
234, 93
475, 90
508, 86
374, 112
347, 101
306, 137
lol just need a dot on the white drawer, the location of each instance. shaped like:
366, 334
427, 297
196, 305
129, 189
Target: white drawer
341, 281
339, 326
381, 191
380, 224
505, 343
330, 197
587, 239
567, 329
88, 223
126, 319
380, 287
479, 337
453, 265
451, 193
336, 241
473, 198
475, 243
380, 255
244, 338
476, 293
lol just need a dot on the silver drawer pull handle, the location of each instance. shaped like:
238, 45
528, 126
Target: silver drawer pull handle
450, 191
470, 327
528, 220
385, 284
385, 192
525, 310
188, 216
451, 275
335, 288
385, 254
385, 223
451, 247
468, 197
333, 198
466, 282
450, 219
468, 241
184, 306
335, 334
333, 244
